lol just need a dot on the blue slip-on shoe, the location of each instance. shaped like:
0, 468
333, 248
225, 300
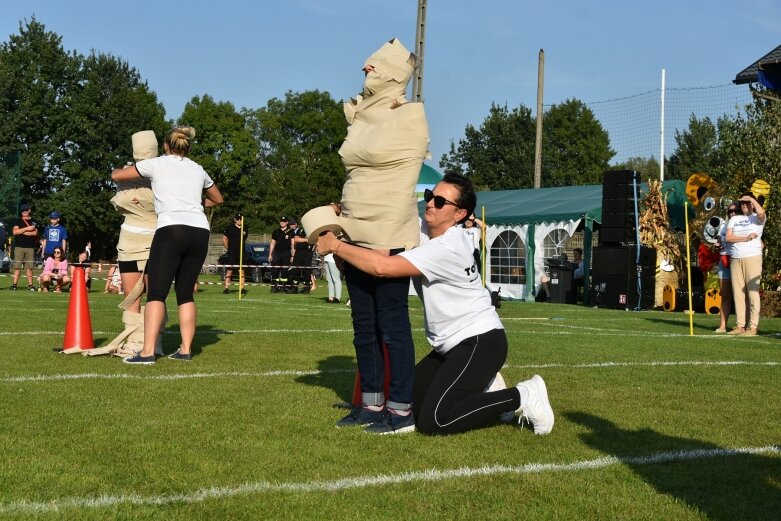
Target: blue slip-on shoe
139, 360
392, 424
181, 356
361, 416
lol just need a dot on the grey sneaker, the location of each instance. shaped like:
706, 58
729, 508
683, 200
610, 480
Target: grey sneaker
392, 423
536, 410
361, 416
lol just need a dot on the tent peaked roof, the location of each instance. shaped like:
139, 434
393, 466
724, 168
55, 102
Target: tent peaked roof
428, 175
566, 203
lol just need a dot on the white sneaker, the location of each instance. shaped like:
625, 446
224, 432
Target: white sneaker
497, 384
536, 409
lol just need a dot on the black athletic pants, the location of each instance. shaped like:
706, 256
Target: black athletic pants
177, 252
449, 394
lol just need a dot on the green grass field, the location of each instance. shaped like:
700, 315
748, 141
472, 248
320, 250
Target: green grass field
651, 423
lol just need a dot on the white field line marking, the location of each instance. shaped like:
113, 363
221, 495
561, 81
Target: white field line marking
427, 475
263, 374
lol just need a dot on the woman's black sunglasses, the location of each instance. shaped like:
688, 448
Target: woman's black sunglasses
439, 201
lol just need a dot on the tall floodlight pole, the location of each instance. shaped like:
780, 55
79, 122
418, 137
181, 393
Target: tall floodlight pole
661, 134
420, 37
538, 138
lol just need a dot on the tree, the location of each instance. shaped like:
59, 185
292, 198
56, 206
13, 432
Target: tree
695, 151
647, 166
71, 117
37, 77
224, 146
299, 138
500, 154
576, 149
749, 149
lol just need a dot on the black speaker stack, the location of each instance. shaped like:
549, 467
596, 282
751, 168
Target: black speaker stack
620, 279
618, 207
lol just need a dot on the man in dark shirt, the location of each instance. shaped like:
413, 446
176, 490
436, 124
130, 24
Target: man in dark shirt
25, 242
279, 253
233, 241
302, 258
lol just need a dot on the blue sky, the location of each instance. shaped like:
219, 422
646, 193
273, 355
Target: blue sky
477, 52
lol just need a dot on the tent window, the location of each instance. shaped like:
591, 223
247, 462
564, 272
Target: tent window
508, 259
554, 243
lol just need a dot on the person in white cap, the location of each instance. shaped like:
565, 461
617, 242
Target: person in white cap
453, 389
181, 240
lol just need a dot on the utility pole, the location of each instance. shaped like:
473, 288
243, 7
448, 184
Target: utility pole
420, 40
538, 138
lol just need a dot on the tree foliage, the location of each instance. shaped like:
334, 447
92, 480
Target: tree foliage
299, 139
647, 166
749, 149
71, 117
576, 149
696, 150
500, 154
226, 149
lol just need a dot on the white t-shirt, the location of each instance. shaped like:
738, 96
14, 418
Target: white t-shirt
742, 226
456, 305
726, 247
178, 184
475, 233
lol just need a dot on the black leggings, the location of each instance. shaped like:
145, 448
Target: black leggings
177, 252
449, 395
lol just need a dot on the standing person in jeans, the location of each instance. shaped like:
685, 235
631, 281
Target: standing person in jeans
386, 143
744, 232
468, 339
181, 240
232, 240
334, 278
25, 242
279, 255
725, 283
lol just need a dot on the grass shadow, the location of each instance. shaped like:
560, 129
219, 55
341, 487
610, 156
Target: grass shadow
721, 484
205, 335
336, 373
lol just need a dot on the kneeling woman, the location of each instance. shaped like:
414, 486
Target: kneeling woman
468, 339
181, 240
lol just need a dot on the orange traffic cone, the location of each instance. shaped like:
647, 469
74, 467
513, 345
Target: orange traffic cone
357, 396
78, 327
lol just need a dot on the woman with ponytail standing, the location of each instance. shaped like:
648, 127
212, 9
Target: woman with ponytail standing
181, 240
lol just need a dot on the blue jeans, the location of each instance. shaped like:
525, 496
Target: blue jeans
380, 313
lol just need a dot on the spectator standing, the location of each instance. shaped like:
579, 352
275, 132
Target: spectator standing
474, 229
744, 232
25, 234
302, 257
3, 236
279, 253
725, 282
334, 278
233, 238
54, 236
181, 241
55, 269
